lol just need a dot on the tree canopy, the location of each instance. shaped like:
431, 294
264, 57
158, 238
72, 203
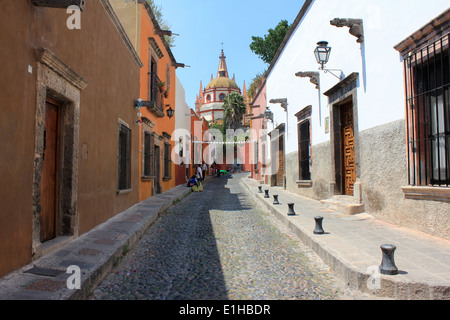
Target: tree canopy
234, 110
163, 24
267, 47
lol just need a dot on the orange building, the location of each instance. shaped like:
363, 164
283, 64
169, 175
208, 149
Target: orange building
157, 97
69, 156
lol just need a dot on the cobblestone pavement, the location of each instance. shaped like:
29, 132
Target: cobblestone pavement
218, 245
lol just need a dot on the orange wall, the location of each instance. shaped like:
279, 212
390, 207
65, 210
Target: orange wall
113, 84
162, 124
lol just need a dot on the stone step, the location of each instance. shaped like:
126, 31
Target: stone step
343, 204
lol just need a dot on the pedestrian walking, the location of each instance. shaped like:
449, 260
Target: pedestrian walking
204, 169
199, 173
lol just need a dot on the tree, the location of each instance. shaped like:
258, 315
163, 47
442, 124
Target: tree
267, 47
163, 24
256, 83
234, 109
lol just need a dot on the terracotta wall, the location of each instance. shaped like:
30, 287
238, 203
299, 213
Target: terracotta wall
98, 54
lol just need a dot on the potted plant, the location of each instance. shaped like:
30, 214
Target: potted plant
166, 94
161, 86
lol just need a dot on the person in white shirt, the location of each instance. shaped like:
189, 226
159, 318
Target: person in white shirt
204, 168
199, 173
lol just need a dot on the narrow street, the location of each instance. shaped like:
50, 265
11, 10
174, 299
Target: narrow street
217, 244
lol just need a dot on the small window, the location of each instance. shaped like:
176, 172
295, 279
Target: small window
304, 143
222, 96
208, 97
124, 156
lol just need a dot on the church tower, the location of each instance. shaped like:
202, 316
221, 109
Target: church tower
209, 101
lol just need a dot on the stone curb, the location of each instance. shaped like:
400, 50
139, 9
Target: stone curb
126, 227
97, 275
352, 276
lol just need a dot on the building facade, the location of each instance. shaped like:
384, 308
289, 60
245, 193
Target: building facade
258, 129
350, 135
157, 95
70, 161
182, 136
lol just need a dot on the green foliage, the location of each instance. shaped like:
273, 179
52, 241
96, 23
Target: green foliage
218, 126
256, 83
267, 47
163, 24
234, 109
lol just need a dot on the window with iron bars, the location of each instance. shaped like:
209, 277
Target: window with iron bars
124, 158
149, 162
427, 81
304, 148
167, 161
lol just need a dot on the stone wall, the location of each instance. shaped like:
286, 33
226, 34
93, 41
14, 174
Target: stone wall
383, 173
321, 173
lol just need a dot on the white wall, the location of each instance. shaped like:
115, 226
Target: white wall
182, 112
380, 96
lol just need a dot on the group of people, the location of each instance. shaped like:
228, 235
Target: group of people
196, 181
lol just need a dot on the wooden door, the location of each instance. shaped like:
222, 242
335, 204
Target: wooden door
280, 158
348, 149
49, 178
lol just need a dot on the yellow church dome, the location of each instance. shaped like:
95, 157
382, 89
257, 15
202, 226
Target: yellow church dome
222, 82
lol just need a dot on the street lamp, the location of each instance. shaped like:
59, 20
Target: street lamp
268, 114
169, 111
322, 54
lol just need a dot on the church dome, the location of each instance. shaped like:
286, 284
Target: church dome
222, 82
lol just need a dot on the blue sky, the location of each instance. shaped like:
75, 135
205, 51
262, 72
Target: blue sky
203, 25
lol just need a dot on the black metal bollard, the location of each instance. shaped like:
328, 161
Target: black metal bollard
387, 264
318, 229
275, 199
267, 194
291, 211
260, 189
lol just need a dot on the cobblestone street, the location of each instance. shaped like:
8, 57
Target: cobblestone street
218, 244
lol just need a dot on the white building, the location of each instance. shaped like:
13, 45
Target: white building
182, 134
345, 138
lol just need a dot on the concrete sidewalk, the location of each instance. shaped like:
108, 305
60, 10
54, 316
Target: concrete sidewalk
351, 247
95, 253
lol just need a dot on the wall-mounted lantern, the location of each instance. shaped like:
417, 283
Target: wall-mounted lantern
169, 111
268, 114
322, 54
